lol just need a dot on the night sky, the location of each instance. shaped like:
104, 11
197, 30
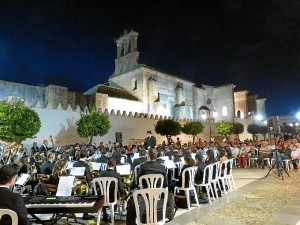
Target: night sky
252, 44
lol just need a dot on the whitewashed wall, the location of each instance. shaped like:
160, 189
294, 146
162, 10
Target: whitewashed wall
124, 105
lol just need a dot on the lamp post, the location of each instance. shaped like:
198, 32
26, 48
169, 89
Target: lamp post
210, 117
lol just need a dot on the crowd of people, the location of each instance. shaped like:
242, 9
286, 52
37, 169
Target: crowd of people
45, 160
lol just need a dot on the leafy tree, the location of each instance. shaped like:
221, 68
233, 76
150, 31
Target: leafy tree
193, 128
224, 128
168, 128
93, 124
297, 129
17, 121
264, 130
253, 129
237, 129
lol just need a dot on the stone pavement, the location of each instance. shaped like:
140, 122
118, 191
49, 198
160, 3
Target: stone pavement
257, 200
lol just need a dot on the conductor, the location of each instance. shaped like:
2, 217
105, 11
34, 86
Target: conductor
150, 141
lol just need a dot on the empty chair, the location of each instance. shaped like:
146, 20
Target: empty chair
222, 175
13, 215
215, 177
206, 182
191, 172
104, 184
152, 198
151, 181
229, 176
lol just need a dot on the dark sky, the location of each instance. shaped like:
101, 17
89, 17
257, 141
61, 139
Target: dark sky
253, 44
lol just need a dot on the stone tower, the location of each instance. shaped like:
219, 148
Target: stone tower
127, 54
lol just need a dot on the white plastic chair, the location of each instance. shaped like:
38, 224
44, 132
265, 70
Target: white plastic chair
152, 180
287, 163
206, 182
136, 170
104, 186
191, 171
253, 160
103, 167
268, 161
222, 175
229, 175
215, 177
150, 197
13, 215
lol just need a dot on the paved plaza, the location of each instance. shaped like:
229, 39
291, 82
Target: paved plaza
257, 200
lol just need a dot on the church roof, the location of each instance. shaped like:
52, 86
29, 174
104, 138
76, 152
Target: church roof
112, 92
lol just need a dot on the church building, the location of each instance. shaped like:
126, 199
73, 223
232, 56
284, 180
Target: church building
152, 91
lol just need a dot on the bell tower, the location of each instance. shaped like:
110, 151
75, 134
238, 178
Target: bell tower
127, 54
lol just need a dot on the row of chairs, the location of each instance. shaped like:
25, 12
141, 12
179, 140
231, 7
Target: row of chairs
150, 195
214, 175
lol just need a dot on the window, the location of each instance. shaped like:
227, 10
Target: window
238, 114
134, 84
224, 111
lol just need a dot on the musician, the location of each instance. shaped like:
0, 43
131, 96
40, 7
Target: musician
24, 165
44, 148
4, 156
47, 166
125, 159
110, 172
10, 200
34, 148
83, 163
150, 140
104, 156
140, 160
59, 169
153, 167
35, 161
14, 161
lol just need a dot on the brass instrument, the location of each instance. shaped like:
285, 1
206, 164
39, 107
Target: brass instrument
127, 182
81, 186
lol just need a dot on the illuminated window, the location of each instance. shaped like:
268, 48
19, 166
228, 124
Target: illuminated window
224, 111
134, 84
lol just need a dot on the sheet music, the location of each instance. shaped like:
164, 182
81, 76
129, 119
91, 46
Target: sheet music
77, 171
136, 155
96, 166
123, 169
165, 158
70, 165
170, 164
22, 179
65, 185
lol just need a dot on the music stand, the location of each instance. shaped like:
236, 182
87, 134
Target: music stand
279, 167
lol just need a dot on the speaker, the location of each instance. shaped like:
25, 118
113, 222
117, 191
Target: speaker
119, 137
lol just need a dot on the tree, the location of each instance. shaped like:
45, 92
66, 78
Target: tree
168, 128
93, 124
193, 128
17, 121
253, 129
237, 129
264, 130
224, 128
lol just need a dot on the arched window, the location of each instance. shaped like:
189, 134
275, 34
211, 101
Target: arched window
224, 111
238, 114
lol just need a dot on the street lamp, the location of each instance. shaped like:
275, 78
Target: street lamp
210, 117
298, 115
